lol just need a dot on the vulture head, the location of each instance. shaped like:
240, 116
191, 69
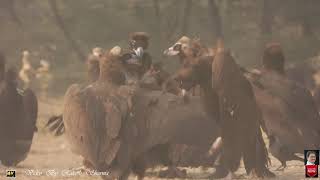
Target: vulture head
97, 52
139, 40
273, 58
111, 67
186, 48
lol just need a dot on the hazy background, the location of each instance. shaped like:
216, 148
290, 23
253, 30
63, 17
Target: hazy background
64, 31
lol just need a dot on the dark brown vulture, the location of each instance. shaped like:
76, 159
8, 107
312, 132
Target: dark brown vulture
121, 128
18, 115
289, 112
240, 117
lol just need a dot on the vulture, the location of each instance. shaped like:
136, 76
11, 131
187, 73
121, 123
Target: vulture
123, 128
290, 114
227, 91
18, 115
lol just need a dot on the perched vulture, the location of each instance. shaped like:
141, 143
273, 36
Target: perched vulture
18, 114
120, 128
226, 89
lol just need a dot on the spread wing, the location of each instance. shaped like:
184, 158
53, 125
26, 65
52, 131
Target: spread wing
288, 111
92, 123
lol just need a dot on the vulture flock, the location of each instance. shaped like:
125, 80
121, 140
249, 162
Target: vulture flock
131, 114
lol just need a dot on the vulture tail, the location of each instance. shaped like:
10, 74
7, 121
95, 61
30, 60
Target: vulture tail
55, 125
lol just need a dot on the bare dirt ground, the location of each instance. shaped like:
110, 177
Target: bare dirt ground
50, 158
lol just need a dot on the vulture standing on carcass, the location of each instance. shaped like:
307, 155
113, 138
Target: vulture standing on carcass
219, 76
18, 115
121, 128
289, 112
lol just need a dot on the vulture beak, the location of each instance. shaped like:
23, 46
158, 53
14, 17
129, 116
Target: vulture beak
139, 52
171, 52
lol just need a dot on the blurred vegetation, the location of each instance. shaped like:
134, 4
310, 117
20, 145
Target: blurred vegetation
245, 25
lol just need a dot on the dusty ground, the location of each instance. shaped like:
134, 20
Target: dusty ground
51, 153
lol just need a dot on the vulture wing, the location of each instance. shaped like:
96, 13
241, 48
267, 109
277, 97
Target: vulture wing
288, 111
92, 119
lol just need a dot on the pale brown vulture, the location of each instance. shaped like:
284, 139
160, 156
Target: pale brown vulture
18, 115
122, 128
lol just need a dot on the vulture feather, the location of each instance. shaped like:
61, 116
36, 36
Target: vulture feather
18, 115
110, 134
